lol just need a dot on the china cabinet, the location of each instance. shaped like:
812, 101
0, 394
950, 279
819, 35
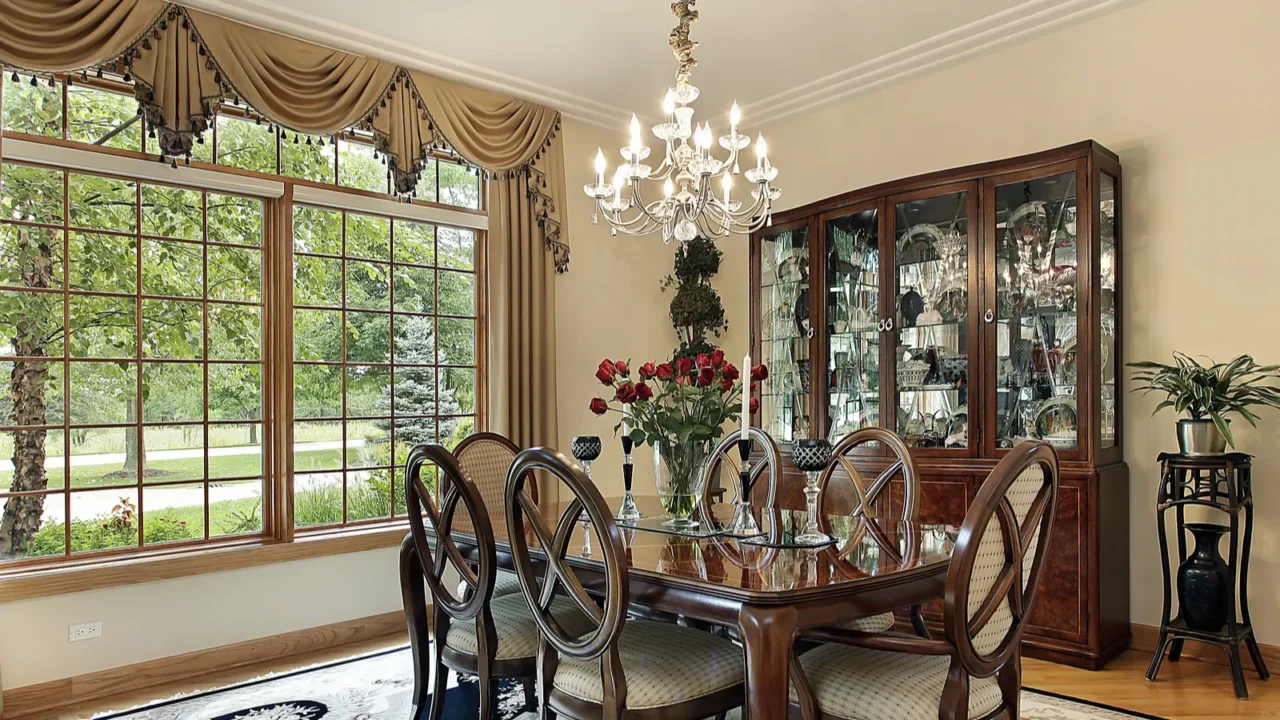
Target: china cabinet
967, 310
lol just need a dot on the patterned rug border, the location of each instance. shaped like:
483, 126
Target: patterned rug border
1091, 703
269, 677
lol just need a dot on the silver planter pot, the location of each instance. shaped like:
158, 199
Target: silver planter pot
1200, 437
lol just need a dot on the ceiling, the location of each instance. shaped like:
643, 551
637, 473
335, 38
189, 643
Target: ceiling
600, 61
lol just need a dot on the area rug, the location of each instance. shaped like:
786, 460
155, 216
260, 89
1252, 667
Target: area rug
378, 686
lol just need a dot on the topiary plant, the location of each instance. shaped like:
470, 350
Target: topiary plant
696, 310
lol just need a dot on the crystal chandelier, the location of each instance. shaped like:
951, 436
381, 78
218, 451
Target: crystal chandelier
691, 205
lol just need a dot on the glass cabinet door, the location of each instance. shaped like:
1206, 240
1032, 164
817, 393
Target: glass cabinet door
852, 279
930, 321
1036, 309
785, 331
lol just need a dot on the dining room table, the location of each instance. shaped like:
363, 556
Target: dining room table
767, 587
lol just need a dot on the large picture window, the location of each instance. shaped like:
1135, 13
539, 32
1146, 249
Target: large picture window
140, 318
384, 356
131, 339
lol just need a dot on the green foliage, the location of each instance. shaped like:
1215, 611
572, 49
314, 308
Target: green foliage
696, 309
1213, 391
102, 533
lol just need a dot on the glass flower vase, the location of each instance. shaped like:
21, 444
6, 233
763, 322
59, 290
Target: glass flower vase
677, 469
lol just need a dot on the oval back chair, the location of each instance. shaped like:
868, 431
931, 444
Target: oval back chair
485, 458
861, 498
863, 494
992, 584
419, 562
618, 667
725, 457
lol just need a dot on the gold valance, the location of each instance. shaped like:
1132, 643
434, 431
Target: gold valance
183, 63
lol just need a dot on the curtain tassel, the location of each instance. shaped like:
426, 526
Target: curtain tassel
185, 23
127, 77
15, 78
34, 82
99, 73
308, 141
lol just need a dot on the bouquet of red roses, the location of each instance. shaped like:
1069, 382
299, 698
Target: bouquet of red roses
678, 409
688, 398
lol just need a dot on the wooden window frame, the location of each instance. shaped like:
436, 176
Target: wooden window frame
279, 541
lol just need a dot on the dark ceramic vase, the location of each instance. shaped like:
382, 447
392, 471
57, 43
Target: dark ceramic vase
1204, 581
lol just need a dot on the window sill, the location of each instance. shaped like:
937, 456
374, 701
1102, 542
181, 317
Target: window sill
73, 577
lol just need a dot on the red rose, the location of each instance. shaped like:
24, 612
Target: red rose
684, 365
599, 406
606, 372
643, 391
706, 376
622, 367
647, 371
717, 358
626, 393
665, 371
726, 385
755, 405
704, 360
682, 379
729, 372
759, 373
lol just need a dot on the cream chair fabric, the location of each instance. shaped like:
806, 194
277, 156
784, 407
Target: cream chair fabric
873, 624
664, 665
517, 630
991, 560
506, 584
858, 684
485, 463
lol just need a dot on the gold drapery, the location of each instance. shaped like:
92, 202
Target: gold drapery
184, 62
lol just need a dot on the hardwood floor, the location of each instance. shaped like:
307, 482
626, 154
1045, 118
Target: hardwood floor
1188, 690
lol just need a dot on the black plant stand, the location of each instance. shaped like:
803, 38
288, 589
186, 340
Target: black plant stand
1223, 483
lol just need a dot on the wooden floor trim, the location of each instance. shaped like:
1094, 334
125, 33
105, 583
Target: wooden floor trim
69, 691
1146, 636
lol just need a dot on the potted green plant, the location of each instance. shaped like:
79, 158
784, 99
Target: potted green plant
1208, 394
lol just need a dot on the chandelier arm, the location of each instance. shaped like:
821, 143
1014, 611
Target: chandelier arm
637, 225
641, 206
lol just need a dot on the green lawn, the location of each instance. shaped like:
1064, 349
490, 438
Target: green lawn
248, 465
225, 516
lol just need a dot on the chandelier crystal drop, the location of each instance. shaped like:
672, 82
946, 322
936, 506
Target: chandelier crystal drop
692, 202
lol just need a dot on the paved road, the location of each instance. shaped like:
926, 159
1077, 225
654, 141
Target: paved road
6, 464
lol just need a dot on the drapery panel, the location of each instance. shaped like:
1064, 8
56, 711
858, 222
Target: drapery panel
185, 62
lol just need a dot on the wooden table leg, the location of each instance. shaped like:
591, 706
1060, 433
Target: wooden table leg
767, 634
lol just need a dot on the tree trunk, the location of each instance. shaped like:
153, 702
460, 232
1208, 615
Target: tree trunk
22, 514
133, 450
253, 433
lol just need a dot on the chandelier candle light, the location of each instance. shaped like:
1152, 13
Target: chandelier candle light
690, 205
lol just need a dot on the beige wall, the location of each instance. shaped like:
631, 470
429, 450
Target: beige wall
159, 619
610, 304
1184, 91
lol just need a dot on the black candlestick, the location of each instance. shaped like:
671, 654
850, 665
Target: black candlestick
628, 512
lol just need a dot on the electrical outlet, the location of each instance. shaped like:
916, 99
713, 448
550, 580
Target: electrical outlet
84, 631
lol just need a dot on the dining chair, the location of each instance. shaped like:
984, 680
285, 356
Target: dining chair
725, 457
485, 458
868, 500
620, 667
472, 632
991, 589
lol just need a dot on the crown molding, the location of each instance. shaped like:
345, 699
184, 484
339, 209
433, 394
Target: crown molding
1009, 27
269, 16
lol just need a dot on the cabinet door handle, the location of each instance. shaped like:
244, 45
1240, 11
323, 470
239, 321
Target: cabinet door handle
989, 316
880, 325
888, 325
809, 335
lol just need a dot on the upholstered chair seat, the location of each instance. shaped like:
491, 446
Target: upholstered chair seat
506, 584
859, 684
664, 664
516, 630
872, 624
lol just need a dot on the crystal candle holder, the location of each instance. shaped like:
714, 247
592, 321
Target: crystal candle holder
743, 523
812, 457
586, 448
628, 512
